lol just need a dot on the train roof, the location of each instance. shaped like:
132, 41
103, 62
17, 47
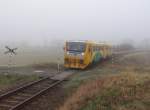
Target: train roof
77, 41
88, 41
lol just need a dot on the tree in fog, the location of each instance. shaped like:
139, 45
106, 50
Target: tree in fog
145, 43
126, 45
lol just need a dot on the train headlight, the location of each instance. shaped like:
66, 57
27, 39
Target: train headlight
82, 54
67, 53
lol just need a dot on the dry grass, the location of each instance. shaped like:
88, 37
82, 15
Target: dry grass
136, 59
11, 81
47, 65
124, 85
127, 91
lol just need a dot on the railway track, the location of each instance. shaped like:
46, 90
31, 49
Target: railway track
18, 98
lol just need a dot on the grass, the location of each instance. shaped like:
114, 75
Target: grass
51, 65
11, 79
126, 91
124, 85
92, 74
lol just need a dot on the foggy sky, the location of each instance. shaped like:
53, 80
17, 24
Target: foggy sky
39, 21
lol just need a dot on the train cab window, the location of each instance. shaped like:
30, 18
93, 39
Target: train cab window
76, 46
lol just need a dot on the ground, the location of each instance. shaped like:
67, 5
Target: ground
12, 81
109, 78
17, 76
121, 85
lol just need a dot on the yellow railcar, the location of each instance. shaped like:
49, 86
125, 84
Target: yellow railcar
81, 54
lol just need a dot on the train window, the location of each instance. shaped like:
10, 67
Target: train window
76, 46
89, 49
97, 48
93, 48
100, 48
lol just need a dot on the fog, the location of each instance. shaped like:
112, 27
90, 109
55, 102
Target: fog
35, 21
48, 23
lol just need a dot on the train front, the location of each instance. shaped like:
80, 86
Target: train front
74, 54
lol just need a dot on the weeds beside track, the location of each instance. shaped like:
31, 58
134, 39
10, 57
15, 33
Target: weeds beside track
18, 98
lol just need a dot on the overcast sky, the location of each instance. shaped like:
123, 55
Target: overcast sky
37, 21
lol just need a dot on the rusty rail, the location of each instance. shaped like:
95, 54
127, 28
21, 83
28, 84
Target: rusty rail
18, 98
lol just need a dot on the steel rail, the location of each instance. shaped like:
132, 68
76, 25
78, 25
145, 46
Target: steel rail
21, 88
50, 83
22, 104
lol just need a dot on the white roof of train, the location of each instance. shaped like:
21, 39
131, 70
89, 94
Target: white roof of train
77, 41
86, 41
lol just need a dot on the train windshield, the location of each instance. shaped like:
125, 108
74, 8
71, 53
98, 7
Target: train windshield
76, 46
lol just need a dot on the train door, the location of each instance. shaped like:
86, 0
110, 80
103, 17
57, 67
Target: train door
89, 54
